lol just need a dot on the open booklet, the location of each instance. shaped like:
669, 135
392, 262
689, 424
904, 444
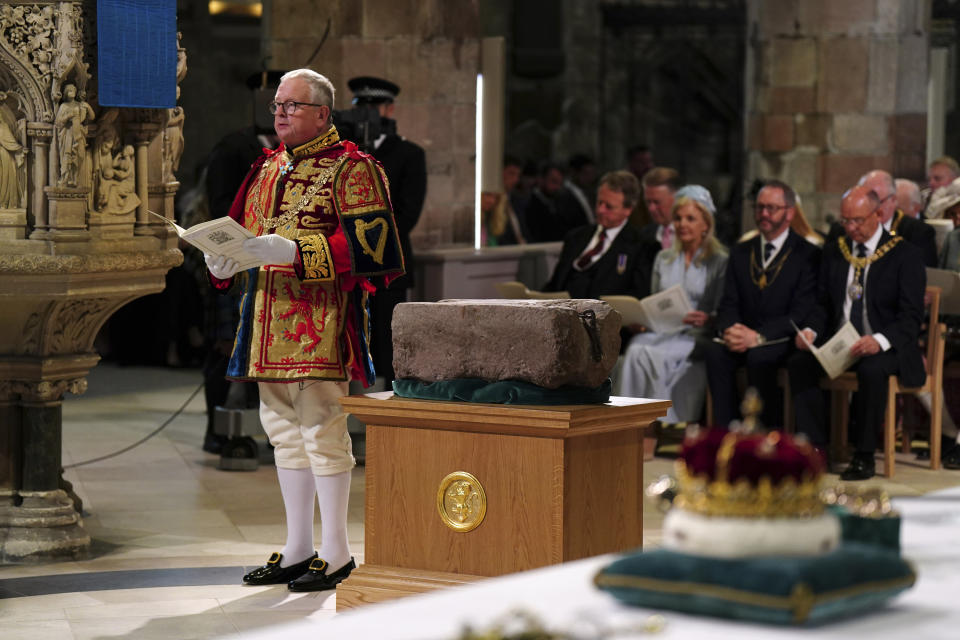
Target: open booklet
834, 356
218, 237
661, 312
518, 291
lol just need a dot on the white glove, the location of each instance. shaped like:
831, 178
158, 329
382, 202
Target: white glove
221, 267
271, 249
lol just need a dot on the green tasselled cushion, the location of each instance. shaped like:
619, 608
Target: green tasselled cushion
501, 392
774, 589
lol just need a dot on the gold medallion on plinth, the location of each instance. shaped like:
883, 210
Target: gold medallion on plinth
461, 501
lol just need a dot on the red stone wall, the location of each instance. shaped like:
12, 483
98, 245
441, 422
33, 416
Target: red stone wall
838, 89
430, 48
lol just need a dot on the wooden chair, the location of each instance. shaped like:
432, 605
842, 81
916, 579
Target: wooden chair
783, 379
845, 383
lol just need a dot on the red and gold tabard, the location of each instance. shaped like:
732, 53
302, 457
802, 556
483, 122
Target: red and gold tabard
309, 320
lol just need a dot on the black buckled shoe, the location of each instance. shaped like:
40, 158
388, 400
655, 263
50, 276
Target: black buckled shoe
273, 573
862, 467
317, 578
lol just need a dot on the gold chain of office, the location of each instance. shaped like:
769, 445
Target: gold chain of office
324, 176
859, 264
758, 273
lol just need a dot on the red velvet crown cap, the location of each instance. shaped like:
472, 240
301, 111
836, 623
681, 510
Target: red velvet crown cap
721, 455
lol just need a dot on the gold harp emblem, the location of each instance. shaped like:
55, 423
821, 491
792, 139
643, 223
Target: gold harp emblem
461, 501
362, 228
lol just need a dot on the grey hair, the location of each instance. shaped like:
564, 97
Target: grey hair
883, 175
915, 197
321, 89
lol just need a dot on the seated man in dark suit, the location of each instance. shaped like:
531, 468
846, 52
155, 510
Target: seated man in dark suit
771, 279
876, 281
606, 258
552, 210
660, 186
894, 221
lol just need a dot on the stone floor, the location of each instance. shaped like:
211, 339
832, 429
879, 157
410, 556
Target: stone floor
173, 534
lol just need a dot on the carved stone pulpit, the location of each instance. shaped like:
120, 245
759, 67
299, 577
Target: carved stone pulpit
76, 244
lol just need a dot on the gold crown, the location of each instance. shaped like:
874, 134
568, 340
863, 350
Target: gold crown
731, 474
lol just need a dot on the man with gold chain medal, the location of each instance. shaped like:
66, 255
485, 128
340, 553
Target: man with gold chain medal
894, 220
876, 281
770, 280
321, 211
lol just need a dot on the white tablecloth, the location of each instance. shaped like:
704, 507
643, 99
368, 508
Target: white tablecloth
564, 594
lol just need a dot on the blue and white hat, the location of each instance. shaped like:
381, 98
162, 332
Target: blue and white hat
698, 193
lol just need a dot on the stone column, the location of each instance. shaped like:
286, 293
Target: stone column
37, 517
835, 89
41, 133
142, 215
162, 201
53, 307
144, 132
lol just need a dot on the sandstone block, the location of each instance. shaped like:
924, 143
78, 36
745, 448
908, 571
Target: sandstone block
882, 80
812, 129
794, 62
839, 172
800, 170
912, 74
910, 133
544, 342
850, 17
843, 75
859, 133
778, 18
791, 100
777, 133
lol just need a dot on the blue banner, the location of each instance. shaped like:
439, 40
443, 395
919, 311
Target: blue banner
137, 53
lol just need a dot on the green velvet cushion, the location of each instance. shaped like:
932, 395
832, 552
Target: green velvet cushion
773, 589
883, 532
502, 392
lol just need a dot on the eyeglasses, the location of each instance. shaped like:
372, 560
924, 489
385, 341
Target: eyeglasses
854, 222
290, 106
760, 207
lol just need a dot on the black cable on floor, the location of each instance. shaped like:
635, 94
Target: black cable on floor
145, 438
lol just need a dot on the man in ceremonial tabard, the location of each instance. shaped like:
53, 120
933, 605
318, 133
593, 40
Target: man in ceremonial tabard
771, 279
321, 211
876, 281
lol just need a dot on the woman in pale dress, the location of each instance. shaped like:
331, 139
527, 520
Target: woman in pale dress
665, 365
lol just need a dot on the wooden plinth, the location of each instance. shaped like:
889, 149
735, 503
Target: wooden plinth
561, 483
372, 583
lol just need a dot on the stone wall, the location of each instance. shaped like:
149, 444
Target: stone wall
430, 48
835, 89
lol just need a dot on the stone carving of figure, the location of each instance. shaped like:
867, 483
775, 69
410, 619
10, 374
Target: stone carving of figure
118, 184
172, 143
72, 116
181, 63
69, 53
12, 166
103, 150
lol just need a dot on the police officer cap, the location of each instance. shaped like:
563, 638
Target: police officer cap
367, 89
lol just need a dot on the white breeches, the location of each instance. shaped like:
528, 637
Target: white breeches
307, 427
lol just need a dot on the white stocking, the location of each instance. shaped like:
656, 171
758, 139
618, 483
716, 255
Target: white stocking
298, 489
333, 494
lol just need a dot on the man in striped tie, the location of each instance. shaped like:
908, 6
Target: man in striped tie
606, 258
